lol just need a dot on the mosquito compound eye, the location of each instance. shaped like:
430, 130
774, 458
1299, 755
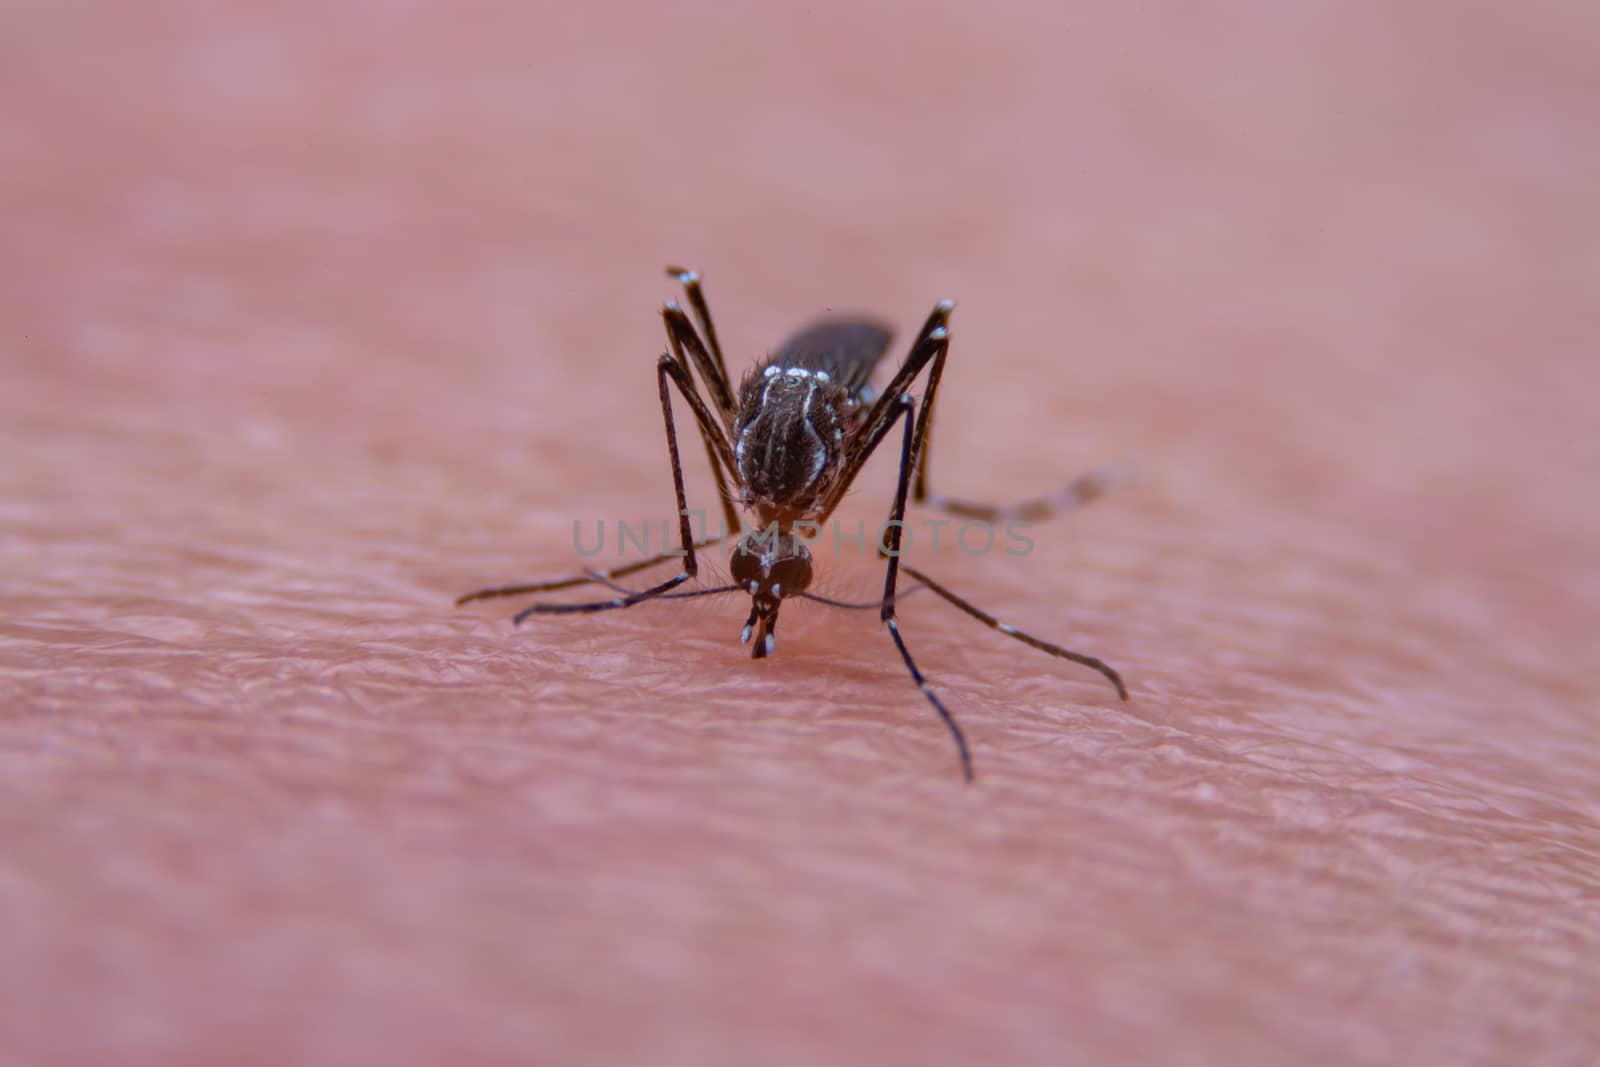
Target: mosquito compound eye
745, 566
792, 575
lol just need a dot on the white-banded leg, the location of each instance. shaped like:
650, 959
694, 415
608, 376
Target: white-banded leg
880, 419
686, 347
1011, 631
668, 370
892, 550
1074, 494
604, 577
905, 408
714, 368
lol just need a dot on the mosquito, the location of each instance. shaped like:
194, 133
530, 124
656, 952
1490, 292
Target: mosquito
792, 440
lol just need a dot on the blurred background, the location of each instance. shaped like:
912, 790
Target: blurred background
1151, 216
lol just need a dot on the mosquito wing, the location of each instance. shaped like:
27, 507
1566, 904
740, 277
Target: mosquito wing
847, 349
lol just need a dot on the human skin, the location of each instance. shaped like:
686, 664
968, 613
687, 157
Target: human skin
314, 323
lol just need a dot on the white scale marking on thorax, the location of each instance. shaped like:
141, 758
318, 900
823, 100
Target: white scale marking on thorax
795, 372
819, 455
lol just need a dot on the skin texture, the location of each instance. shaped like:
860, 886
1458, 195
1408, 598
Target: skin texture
315, 320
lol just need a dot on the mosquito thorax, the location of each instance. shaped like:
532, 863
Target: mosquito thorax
789, 435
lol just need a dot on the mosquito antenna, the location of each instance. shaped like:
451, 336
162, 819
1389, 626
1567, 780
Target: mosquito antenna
629, 601
601, 578
864, 605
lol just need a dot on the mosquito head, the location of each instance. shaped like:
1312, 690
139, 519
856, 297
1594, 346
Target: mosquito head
769, 566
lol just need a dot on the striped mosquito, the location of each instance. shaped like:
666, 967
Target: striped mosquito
792, 440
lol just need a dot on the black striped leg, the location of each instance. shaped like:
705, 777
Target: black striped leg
600, 577
1074, 494
715, 369
880, 419
905, 408
668, 371
930, 346
686, 347
1011, 631
925, 354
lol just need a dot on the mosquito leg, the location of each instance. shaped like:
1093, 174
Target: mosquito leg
602, 577
668, 371
937, 319
697, 300
710, 429
905, 408
690, 350
927, 348
686, 347
1011, 631
718, 451
1074, 494
880, 420
616, 587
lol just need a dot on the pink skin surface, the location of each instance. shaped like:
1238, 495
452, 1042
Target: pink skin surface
315, 320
